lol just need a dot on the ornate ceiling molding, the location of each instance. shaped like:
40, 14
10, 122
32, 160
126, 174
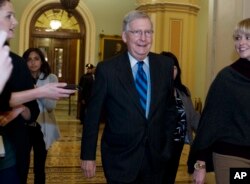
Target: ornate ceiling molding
164, 5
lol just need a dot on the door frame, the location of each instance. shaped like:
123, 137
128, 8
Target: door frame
64, 35
88, 43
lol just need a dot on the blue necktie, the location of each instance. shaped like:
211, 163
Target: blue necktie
141, 84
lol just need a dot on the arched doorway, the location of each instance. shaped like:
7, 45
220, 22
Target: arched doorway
64, 45
87, 45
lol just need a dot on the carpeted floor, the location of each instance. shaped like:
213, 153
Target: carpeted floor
63, 161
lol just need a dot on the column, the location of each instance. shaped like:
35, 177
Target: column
175, 31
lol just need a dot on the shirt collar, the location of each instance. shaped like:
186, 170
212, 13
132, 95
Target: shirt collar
133, 61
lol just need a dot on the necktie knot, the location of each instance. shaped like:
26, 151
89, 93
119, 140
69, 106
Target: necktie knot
140, 63
140, 69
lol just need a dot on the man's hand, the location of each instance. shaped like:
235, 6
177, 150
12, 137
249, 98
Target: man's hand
199, 176
89, 168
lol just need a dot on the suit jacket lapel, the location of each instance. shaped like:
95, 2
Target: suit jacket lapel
127, 80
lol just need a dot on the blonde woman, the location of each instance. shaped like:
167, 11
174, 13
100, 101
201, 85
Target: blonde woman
222, 140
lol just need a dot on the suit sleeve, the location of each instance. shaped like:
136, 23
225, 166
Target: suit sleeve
170, 126
93, 113
171, 116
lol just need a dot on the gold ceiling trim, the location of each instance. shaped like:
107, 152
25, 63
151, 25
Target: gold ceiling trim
171, 7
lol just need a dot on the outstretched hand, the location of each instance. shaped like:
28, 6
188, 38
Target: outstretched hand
55, 91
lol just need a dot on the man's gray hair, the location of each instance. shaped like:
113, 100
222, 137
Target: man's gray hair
132, 15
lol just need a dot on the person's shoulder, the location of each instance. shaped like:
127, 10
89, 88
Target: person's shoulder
14, 55
115, 59
223, 76
52, 76
224, 71
19, 63
16, 58
153, 55
183, 93
161, 60
87, 75
159, 57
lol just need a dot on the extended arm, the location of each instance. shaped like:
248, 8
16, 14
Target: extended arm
53, 91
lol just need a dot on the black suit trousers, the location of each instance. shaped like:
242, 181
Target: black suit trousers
173, 164
146, 174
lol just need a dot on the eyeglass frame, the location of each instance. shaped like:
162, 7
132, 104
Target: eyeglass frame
139, 33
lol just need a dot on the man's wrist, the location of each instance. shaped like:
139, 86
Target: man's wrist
200, 165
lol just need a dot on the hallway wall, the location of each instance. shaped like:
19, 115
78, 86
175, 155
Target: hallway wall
107, 15
215, 23
215, 49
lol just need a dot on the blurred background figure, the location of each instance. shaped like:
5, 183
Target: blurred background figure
187, 121
118, 48
44, 131
86, 85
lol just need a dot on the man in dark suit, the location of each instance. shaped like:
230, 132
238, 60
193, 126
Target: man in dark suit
136, 141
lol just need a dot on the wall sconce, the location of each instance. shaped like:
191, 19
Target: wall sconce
55, 24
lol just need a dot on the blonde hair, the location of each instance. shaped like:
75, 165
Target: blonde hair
243, 27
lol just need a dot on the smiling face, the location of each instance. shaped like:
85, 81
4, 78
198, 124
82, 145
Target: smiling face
242, 45
138, 38
8, 21
241, 37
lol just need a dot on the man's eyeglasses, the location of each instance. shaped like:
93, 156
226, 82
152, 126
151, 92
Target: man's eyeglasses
138, 33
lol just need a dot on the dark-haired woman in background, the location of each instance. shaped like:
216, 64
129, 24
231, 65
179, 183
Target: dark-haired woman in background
44, 131
188, 120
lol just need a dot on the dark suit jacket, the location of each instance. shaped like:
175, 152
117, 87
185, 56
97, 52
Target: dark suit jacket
127, 131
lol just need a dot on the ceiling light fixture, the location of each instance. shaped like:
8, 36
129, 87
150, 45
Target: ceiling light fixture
55, 24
